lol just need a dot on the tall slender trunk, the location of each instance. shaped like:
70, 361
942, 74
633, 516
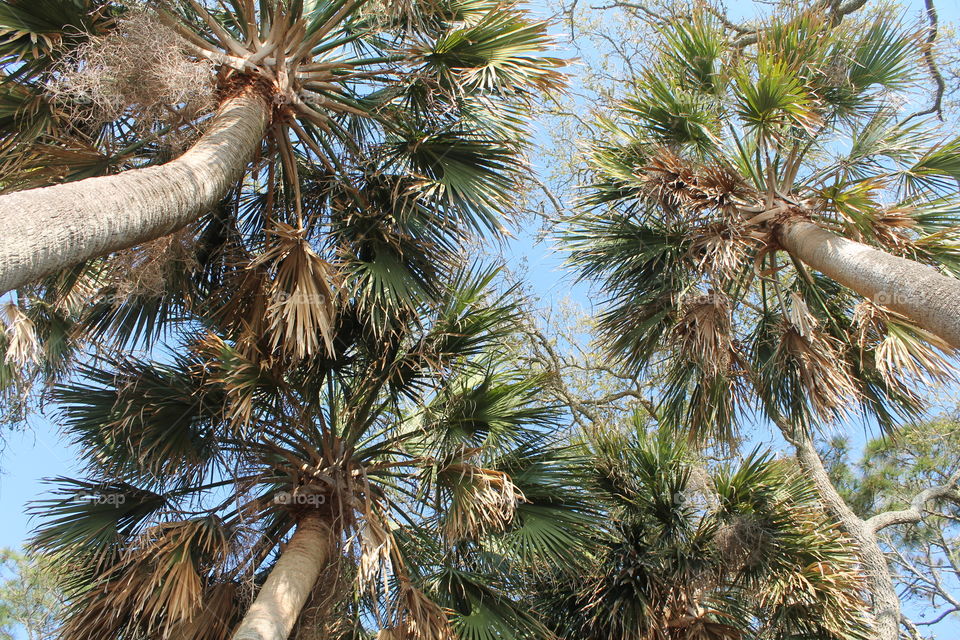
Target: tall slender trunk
281, 598
885, 604
55, 227
918, 291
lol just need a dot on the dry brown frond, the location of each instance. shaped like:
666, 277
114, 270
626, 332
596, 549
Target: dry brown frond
703, 332
484, 500
301, 311
23, 348
721, 248
376, 549
691, 192
157, 588
146, 268
221, 607
141, 67
417, 618
798, 314
890, 227
172, 590
817, 360
905, 355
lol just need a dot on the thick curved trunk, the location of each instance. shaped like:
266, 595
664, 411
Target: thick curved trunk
885, 603
55, 227
281, 598
918, 291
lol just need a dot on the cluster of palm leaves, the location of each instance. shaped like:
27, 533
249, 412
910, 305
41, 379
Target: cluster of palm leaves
700, 173
699, 552
429, 458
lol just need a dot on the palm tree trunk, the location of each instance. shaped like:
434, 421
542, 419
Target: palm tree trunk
918, 291
281, 598
55, 227
885, 604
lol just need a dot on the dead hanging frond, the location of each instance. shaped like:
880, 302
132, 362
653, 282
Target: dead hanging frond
146, 269
142, 67
160, 587
23, 347
798, 315
483, 500
703, 333
376, 549
301, 310
904, 354
417, 617
816, 361
721, 249
222, 606
690, 192
891, 230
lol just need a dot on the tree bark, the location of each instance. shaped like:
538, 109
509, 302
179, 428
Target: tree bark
51, 228
281, 598
918, 291
885, 603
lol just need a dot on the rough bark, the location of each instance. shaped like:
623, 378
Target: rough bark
918, 291
281, 598
885, 603
51, 228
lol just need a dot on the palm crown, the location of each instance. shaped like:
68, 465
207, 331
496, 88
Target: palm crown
694, 552
700, 185
427, 462
354, 205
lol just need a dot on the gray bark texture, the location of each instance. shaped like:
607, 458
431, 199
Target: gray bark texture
885, 603
51, 228
917, 291
281, 598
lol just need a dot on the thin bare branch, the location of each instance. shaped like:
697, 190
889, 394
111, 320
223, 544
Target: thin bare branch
931, 64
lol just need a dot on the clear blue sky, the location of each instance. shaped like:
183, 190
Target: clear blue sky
38, 453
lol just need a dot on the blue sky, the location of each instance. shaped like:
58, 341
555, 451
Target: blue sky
32, 455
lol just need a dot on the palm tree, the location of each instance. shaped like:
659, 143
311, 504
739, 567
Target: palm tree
378, 224
409, 468
691, 552
772, 233
96, 87
721, 163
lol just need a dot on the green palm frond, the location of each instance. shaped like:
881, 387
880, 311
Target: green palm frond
739, 550
500, 52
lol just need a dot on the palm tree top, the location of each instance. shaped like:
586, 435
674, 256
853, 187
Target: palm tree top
695, 178
431, 458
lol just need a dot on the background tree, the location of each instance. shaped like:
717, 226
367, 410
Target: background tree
30, 601
691, 551
906, 482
